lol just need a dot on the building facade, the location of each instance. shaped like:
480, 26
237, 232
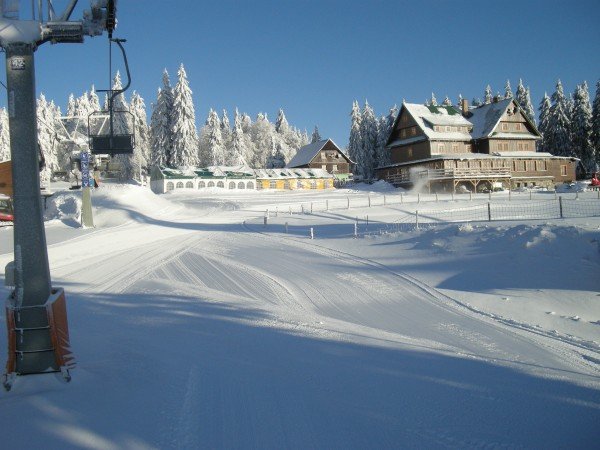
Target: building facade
164, 179
443, 148
324, 155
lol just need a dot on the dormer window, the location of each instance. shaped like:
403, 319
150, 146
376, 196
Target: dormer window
504, 127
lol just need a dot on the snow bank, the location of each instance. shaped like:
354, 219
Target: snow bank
64, 207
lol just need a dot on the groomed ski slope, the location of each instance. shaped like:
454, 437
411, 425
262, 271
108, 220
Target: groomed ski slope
195, 326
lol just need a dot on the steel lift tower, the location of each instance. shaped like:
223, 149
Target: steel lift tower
38, 339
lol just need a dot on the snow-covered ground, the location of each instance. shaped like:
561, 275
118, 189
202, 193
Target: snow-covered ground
195, 324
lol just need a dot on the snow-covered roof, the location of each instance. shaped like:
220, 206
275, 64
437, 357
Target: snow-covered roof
242, 172
481, 122
287, 173
169, 172
305, 154
428, 116
485, 119
530, 155
527, 136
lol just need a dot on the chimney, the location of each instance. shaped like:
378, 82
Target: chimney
464, 106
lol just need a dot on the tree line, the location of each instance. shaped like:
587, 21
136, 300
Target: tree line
170, 139
174, 141
569, 124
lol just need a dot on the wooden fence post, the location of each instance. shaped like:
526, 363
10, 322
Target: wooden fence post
560, 206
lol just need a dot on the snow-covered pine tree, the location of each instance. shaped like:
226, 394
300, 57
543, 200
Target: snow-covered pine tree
582, 128
4, 136
476, 102
93, 100
216, 147
386, 124
281, 124
83, 108
368, 132
433, 100
596, 124
523, 99
276, 159
63, 152
487, 95
225, 129
508, 90
141, 152
47, 138
240, 153
71, 106
304, 138
316, 136
543, 126
460, 99
161, 135
262, 132
447, 101
558, 140
288, 141
246, 123
183, 125
354, 144
529, 111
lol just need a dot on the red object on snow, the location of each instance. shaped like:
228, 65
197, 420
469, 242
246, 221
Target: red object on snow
6, 210
595, 180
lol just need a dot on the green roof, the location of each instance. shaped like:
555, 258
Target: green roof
436, 109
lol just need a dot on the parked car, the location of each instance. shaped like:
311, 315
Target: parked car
6, 209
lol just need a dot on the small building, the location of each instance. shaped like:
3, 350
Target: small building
293, 179
443, 148
324, 155
164, 179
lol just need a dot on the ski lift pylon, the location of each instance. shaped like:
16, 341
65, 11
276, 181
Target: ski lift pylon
111, 131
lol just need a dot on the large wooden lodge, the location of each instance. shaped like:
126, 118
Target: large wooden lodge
443, 148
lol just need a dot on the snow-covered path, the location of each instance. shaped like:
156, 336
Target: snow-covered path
195, 330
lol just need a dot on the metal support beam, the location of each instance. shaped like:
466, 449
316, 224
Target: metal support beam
32, 277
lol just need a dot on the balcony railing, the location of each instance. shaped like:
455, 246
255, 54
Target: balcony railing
450, 174
462, 173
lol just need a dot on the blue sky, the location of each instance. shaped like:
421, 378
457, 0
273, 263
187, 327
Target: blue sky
313, 58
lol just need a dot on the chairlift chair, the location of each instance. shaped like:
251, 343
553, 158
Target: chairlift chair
104, 137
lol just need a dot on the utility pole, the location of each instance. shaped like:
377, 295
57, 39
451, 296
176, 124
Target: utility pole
38, 337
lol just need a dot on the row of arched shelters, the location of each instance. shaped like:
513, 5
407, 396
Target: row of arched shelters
166, 179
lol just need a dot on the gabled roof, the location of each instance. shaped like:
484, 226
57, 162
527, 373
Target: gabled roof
485, 119
170, 173
428, 116
240, 172
288, 173
482, 121
306, 154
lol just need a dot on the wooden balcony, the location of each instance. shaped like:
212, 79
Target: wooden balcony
462, 174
